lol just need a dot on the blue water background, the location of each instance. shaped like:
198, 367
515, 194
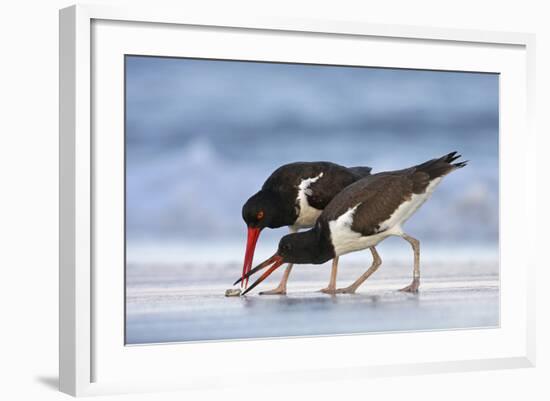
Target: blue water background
203, 135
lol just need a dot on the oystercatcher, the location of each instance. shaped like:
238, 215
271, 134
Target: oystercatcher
362, 215
294, 195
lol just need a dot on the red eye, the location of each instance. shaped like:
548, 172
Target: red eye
260, 215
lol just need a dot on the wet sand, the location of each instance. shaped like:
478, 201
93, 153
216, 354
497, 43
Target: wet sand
171, 303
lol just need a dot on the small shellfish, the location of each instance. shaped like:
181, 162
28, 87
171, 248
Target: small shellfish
233, 292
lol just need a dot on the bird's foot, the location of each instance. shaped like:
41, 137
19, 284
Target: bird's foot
276, 291
328, 290
412, 287
346, 290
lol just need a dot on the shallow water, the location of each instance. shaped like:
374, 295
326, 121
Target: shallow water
166, 304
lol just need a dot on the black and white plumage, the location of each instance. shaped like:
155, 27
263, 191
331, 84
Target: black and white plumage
364, 214
294, 195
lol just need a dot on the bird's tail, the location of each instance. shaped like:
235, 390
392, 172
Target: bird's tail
439, 167
361, 171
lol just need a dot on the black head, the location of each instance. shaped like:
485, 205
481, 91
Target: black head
305, 247
268, 209
263, 209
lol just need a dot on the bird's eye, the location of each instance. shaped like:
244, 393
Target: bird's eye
260, 215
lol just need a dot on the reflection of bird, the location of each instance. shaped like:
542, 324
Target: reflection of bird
362, 215
294, 195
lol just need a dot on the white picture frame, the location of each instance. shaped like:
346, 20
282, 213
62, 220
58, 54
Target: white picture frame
92, 358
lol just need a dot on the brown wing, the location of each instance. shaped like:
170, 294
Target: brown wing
378, 196
384, 197
335, 178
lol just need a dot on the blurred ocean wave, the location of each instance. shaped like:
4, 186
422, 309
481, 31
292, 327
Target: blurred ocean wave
202, 136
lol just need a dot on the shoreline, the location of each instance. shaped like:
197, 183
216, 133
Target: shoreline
173, 304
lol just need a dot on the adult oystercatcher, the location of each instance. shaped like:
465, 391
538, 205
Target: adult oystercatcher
362, 215
294, 195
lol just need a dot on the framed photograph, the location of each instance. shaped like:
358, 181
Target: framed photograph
337, 199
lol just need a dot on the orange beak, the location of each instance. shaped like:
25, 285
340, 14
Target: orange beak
252, 238
275, 261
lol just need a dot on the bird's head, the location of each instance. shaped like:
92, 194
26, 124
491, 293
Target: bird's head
261, 210
301, 248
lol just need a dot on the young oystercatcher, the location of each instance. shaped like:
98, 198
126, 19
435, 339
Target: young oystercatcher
362, 215
294, 196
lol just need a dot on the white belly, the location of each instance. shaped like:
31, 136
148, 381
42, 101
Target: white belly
307, 217
345, 240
